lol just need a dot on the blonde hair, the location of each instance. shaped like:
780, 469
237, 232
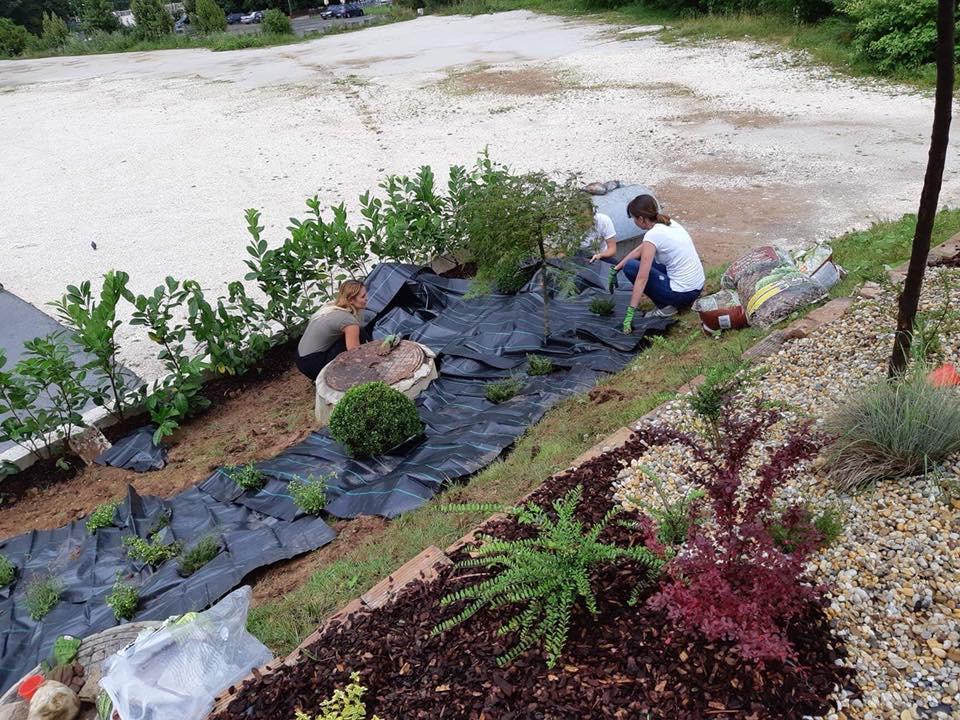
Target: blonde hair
349, 289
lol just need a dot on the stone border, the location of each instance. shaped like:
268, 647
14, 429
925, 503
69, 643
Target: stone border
425, 565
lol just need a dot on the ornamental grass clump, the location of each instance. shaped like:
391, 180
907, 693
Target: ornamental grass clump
539, 365
892, 429
102, 517
206, 549
536, 582
731, 582
309, 495
372, 418
123, 600
499, 391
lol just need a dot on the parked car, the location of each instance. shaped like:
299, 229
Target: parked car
234, 18
255, 17
342, 11
353, 10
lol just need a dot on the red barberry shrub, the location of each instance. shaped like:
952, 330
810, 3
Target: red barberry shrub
731, 582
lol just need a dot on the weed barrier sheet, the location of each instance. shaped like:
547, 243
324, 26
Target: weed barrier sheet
477, 340
86, 565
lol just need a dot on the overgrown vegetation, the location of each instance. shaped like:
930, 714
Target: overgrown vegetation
247, 477
275, 22
539, 365
541, 579
101, 517
310, 494
42, 596
372, 418
123, 600
499, 391
345, 704
205, 550
152, 552
8, 572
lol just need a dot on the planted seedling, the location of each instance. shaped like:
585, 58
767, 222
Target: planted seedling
43, 595
539, 365
602, 306
123, 600
247, 477
150, 552
345, 704
673, 517
199, 555
102, 517
8, 572
499, 391
309, 495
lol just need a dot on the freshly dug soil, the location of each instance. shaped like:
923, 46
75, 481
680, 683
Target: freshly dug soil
617, 665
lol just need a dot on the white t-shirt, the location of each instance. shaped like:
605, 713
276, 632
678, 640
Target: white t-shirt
603, 230
675, 251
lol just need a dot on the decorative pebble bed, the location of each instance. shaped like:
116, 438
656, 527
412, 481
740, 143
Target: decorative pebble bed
894, 575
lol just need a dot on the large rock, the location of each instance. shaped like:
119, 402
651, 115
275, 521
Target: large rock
53, 701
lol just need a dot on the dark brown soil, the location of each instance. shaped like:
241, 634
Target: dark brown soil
952, 261
617, 665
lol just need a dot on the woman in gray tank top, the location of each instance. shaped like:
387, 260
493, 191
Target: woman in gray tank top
333, 329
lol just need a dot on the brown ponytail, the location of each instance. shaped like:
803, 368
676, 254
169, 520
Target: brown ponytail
644, 206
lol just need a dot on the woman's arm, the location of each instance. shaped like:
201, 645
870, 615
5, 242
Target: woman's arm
351, 334
609, 249
646, 251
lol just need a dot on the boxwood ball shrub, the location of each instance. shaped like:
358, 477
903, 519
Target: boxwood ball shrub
372, 418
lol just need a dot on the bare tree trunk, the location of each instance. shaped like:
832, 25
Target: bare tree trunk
939, 139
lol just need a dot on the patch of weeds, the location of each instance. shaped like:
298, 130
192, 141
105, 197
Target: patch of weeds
8, 571
102, 517
674, 346
199, 555
603, 307
42, 596
673, 517
539, 365
499, 391
123, 600
309, 495
151, 552
247, 477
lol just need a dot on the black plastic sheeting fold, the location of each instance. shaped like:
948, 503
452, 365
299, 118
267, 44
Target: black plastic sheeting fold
87, 565
136, 452
476, 341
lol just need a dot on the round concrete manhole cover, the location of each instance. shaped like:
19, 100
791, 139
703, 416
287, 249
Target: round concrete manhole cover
365, 365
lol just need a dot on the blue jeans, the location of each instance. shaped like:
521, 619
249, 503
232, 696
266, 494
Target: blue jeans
658, 286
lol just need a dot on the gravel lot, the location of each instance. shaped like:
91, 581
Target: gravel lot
154, 156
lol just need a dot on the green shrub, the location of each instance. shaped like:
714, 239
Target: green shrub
672, 517
199, 555
602, 306
14, 38
499, 391
208, 17
97, 16
893, 429
346, 704
55, 31
541, 578
43, 594
372, 418
895, 34
123, 600
276, 23
102, 517
539, 365
247, 477
711, 397
8, 572
309, 495
150, 552
798, 526
153, 20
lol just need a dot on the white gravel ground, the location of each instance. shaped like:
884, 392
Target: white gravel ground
154, 156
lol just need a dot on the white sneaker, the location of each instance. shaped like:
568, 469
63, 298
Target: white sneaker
664, 312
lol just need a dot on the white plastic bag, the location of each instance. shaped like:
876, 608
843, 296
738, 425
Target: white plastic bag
174, 672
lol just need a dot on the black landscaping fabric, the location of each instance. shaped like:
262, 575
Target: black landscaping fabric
476, 340
136, 452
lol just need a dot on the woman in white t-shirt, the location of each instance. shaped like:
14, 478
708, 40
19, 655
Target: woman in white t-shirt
601, 242
665, 266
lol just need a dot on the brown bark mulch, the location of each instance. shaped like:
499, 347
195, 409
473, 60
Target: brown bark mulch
621, 664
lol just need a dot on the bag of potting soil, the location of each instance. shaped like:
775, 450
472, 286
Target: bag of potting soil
745, 271
817, 262
777, 299
721, 311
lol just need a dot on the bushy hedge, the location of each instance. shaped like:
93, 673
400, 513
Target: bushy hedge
13, 38
372, 418
276, 23
895, 34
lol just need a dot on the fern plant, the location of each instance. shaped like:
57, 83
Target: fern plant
542, 577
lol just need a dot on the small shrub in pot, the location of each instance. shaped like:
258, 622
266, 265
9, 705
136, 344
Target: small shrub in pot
372, 418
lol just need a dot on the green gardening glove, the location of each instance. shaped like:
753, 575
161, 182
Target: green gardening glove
628, 319
612, 283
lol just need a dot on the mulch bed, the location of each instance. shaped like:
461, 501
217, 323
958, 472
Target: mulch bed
618, 665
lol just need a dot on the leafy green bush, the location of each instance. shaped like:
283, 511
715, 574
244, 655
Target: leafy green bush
206, 549
152, 552
123, 600
372, 418
97, 16
42, 596
8, 571
499, 391
14, 38
895, 34
152, 18
246, 476
539, 365
309, 495
346, 704
275, 22
540, 578
102, 516
208, 17
893, 429
602, 306
55, 30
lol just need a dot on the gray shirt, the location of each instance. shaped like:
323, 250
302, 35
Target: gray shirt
324, 329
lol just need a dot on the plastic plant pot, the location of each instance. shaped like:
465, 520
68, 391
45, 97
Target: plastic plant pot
29, 686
